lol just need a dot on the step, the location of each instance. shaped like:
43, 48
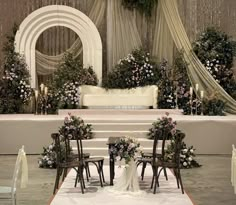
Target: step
113, 126
118, 133
103, 151
102, 142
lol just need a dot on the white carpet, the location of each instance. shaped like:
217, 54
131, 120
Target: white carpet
167, 194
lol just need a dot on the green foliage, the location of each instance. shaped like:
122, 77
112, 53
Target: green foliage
216, 50
167, 95
63, 91
214, 106
71, 70
137, 69
144, 6
15, 90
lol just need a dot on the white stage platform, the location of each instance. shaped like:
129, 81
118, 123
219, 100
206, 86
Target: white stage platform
167, 194
208, 134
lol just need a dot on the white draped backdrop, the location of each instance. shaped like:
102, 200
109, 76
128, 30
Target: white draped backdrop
123, 36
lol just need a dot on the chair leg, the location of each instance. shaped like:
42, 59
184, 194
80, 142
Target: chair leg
165, 173
143, 170
180, 180
156, 180
87, 171
177, 177
57, 181
77, 178
64, 174
80, 173
102, 171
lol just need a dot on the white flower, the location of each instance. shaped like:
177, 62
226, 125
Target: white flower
191, 150
190, 159
185, 164
185, 150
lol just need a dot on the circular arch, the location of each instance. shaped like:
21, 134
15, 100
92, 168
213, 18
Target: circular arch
59, 15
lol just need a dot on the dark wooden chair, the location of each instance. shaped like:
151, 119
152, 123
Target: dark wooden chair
162, 163
63, 165
97, 161
147, 157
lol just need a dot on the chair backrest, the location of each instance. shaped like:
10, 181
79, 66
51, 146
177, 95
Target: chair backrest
158, 136
57, 143
78, 137
21, 152
178, 138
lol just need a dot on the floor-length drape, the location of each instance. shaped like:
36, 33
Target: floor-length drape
196, 70
122, 32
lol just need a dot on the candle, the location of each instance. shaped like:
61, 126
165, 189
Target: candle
36, 94
202, 94
191, 91
197, 86
42, 87
46, 90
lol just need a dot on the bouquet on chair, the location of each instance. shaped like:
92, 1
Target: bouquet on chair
126, 148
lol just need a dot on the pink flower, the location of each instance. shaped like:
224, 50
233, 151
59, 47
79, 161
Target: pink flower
167, 114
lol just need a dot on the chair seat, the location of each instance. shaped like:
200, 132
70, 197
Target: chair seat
5, 192
70, 164
94, 159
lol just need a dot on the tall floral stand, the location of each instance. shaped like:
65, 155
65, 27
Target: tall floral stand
128, 181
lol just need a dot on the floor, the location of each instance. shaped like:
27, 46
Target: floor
208, 185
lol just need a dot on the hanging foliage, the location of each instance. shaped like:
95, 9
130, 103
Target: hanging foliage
144, 6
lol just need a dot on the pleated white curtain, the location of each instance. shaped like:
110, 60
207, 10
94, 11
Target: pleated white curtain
122, 32
196, 70
47, 64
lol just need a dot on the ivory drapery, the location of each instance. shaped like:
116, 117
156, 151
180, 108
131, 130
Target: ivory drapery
196, 70
47, 64
122, 32
163, 44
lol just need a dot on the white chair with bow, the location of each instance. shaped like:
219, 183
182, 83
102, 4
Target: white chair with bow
8, 193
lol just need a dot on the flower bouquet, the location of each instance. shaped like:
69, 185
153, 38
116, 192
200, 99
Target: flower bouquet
126, 148
164, 124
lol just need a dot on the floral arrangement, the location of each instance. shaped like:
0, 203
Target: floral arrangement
69, 96
165, 124
15, 89
214, 105
167, 99
126, 148
144, 6
71, 124
186, 156
48, 159
196, 107
216, 50
137, 69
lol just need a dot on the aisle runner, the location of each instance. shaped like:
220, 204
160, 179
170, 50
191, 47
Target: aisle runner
167, 194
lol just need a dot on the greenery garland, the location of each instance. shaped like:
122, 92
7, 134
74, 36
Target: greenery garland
144, 6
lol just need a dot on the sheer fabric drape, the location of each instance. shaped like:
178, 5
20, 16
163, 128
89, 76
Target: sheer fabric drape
196, 70
122, 32
47, 64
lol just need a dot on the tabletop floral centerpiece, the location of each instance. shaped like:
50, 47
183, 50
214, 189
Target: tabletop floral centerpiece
126, 148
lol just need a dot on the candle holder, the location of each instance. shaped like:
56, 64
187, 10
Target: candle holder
202, 106
191, 105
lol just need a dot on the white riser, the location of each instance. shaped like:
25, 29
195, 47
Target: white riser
118, 133
122, 126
